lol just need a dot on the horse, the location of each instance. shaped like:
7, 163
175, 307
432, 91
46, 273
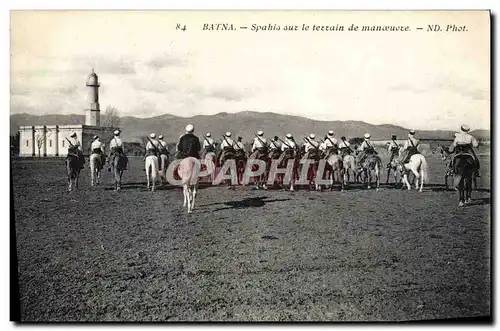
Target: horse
349, 163
312, 170
119, 163
371, 163
336, 167
73, 168
418, 166
285, 157
164, 159
96, 165
445, 154
151, 166
210, 159
261, 180
188, 172
228, 153
463, 168
393, 166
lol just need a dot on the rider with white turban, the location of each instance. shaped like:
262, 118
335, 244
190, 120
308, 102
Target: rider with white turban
464, 142
311, 144
116, 147
208, 143
366, 148
289, 143
330, 145
410, 147
189, 144
153, 146
97, 147
259, 142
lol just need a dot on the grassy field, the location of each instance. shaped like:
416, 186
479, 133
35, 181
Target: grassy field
247, 255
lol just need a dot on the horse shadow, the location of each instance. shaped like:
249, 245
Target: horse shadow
255, 202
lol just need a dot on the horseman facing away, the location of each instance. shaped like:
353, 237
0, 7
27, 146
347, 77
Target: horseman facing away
275, 145
289, 145
97, 147
208, 143
238, 146
226, 147
344, 146
152, 146
116, 147
311, 144
464, 143
366, 148
189, 144
259, 143
410, 146
393, 149
330, 145
75, 147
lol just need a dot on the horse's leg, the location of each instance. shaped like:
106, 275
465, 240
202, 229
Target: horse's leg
377, 175
147, 174
405, 181
461, 192
69, 180
91, 172
388, 174
194, 195
185, 193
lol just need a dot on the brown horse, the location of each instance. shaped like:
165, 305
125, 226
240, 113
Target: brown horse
73, 167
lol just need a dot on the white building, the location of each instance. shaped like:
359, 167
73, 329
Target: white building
52, 140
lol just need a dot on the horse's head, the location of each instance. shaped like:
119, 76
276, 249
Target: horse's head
445, 152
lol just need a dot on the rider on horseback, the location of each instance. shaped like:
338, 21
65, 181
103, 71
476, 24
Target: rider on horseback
330, 145
366, 149
152, 147
208, 144
227, 147
259, 144
311, 144
393, 148
275, 148
410, 147
189, 144
76, 148
464, 143
239, 147
116, 148
344, 147
162, 144
97, 147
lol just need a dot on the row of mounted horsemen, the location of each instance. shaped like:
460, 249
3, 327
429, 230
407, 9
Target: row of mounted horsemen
338, 158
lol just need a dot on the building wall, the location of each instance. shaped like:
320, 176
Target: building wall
26, 141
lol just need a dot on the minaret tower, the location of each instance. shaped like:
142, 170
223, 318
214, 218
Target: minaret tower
92, 115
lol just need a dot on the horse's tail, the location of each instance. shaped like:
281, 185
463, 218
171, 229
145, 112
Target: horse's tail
423, 169
188, 172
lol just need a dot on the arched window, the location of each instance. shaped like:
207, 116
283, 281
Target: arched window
50, 143
63, 143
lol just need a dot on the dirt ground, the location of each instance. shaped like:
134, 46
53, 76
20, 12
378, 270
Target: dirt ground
247, 255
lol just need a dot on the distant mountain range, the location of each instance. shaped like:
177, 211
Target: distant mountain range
243, 124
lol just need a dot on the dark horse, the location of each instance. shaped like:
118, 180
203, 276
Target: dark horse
119, 163
463, 169
445, 153
73, 167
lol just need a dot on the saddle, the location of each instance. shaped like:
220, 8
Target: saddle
461, 154
260, 153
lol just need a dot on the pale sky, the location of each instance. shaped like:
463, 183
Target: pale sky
418, 79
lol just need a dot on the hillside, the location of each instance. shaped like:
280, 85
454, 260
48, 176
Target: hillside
243, 124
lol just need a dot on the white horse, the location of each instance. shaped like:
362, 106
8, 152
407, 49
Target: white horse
349, 163
95, 168
163, 172
151, 165
188, 171
418, 166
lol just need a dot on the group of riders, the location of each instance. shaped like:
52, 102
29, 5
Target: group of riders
276, 148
